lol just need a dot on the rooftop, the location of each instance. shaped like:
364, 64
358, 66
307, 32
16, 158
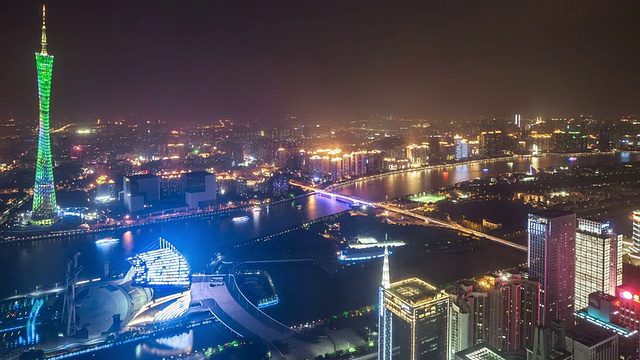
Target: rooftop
552, 213
197, 173
139, 177
589, 334
480, 351
414, 291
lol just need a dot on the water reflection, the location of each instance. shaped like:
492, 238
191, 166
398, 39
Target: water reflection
165, 347
127, 242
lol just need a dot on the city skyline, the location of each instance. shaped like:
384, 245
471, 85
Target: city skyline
251, 61
510, 235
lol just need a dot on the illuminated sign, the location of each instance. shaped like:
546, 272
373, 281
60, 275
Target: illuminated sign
628, 295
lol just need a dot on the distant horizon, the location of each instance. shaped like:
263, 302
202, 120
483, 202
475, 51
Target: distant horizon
328, 61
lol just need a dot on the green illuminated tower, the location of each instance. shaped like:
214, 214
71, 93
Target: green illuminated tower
44, 191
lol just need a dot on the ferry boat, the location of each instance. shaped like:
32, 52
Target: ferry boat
240, 218
299, 207
353, 255
256, 209
107, 240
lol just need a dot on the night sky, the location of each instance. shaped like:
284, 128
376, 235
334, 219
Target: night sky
322, 60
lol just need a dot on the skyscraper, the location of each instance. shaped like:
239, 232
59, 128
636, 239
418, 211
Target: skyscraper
421, 311
551, 259
598, 260
44, 191
385, 349
635, 236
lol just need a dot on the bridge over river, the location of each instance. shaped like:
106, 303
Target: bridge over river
428, 220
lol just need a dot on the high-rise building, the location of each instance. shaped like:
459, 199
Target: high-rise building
479, 303
566, 142
385, 348
336, 169
459, 325
549, 342
598, 260
491, 143
635, 237
282, 158
140, 191
479, 352
44, 190
517, 121
421, 311
551, 260
198, 187
587, 341
417, 154
461, 147
529, 310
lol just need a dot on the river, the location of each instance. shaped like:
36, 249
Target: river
28, 264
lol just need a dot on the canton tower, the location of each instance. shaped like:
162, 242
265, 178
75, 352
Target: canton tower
44, 191
385, 348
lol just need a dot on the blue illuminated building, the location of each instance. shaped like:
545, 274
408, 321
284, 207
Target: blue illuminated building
385, 347
163, 267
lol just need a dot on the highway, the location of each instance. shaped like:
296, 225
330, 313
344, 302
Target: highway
428, 220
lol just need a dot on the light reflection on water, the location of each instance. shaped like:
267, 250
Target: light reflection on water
43, 262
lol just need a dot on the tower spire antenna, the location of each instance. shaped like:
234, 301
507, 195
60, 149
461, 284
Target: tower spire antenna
43, 39
385, 346
386, 278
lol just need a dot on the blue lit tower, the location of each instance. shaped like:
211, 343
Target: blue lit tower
385, 348
44, 191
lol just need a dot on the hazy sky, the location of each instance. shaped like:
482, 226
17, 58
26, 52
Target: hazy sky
201, 60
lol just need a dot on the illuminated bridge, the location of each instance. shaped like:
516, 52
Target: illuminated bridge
428, 220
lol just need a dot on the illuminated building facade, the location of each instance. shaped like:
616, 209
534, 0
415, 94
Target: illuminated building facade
282, 157
461, 147
336, 169
635, 236
629, 297
459, 325
417, 154
163, 267
598, 260
479, 303
44, 191
421, 311
385, 334
511, 309
551, 261
479, 352
491, 143
280, 185
567, 142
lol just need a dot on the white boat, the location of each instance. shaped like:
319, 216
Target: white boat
256, 209
240, 218
107, 240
